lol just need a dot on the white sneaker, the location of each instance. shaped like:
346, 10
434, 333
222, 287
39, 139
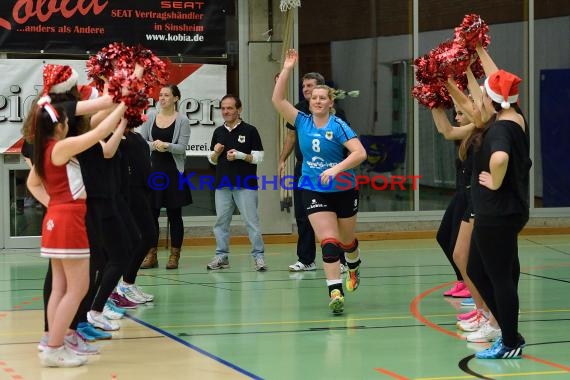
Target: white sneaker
100, 321
78, 346
299, 266
60, 357
43, 344
149, 297
260, 265
111, 314
343, 268
130, 292
486, 333
472, 324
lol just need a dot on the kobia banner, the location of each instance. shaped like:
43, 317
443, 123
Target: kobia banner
202, 86
168, 28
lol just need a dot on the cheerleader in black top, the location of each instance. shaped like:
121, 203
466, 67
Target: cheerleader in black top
500, 191
136, 154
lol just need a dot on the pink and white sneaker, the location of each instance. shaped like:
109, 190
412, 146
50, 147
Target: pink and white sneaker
464, 293
459, 285
467, 316
472, 324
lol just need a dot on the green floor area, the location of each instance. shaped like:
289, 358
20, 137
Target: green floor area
277, 325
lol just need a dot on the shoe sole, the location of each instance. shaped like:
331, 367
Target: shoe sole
101, 325
220, 267
349, 287
103, 338
301, 269
482, 340
337, 306
82, 353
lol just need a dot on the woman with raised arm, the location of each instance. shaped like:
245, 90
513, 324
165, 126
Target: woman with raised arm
447, 234
500, 190
328, 183
55, 180
479, 323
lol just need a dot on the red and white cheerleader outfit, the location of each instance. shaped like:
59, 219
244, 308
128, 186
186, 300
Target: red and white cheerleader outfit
64, 235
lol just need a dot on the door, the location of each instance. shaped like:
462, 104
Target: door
22, 215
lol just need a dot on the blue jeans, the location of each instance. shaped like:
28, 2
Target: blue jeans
246, 202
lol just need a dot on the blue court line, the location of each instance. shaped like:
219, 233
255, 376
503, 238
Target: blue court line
195, 348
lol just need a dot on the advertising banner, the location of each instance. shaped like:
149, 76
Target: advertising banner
168, 28
201, 85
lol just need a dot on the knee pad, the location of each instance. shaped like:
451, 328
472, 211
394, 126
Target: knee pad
332, 250
350, 247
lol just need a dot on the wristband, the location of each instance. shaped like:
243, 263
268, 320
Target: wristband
240, 155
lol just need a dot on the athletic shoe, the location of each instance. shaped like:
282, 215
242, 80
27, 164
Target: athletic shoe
486, 333
299, 267
336, 303
147, 296
218, 262
260, 265
499, 351
343, 268
458, 286
466, 316
111, 305
101, 322
74, 343
130, 293
465, 293
89, 333
122, 302
468, 302
43, 344
110, 314
60, 357
472, 324
353, 279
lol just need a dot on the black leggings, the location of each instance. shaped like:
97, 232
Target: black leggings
176, 226
306, 248
494, 268
111, 244
139, 205
449, 229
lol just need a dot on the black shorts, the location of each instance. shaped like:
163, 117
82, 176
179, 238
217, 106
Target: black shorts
468, 214
343, 203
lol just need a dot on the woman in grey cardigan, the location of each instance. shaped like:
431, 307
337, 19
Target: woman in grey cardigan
167, 132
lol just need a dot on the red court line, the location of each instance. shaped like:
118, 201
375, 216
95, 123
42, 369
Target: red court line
549, 363
414, 309
10, 371
391, 374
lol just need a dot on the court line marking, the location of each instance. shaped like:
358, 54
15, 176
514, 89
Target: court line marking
414, 309
195, 348
493, 375
391, 374
10, 371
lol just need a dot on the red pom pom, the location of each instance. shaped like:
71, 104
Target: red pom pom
477, 69
432, 96
116, 64
472, 30
446, 60
453, 59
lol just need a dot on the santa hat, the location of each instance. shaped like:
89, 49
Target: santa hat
87, 92
503, 88
59, 79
